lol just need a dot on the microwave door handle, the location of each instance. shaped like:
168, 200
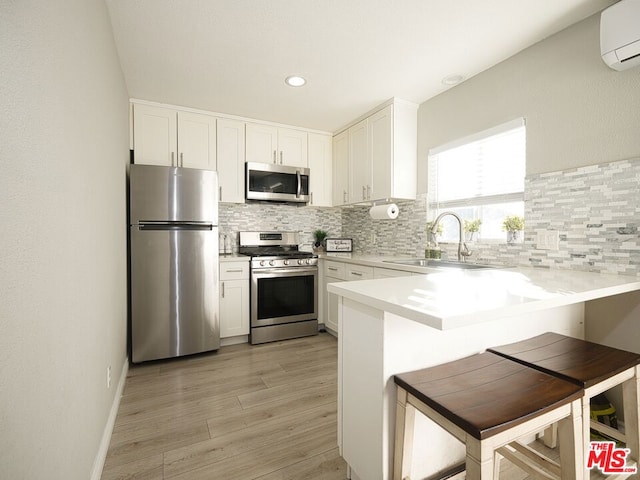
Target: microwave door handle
299, 183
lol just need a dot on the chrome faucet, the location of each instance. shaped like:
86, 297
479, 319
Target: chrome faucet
463, 250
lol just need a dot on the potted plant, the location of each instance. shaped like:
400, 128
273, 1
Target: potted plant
319, 236
471, 227
513, 224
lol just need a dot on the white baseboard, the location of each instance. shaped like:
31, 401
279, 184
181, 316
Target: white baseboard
101, 456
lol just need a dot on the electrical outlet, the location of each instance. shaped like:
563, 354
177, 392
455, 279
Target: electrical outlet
548, 240
109, 377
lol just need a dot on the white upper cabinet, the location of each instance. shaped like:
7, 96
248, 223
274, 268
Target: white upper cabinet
393, 140
269, 144
196, 140
165, 136
381, 154
230, 154
155, 135
341, 169
320, 165
359, 163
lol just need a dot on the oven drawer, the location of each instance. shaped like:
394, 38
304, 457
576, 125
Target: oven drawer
335, 269
234, 270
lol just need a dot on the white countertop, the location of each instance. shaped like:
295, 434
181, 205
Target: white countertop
233, 257
457, 298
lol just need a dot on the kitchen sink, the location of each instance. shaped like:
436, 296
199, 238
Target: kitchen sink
431, 263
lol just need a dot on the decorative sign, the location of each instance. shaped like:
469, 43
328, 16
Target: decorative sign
339, 244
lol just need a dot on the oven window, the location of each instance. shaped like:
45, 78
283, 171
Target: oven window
285, 296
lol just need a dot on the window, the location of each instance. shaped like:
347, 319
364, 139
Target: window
480, 177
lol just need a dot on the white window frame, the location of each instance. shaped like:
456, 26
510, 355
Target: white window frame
436, 206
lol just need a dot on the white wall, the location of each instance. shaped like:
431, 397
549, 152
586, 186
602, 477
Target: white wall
64, 149
578, 111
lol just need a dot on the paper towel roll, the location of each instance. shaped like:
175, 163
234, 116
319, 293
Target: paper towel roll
384, 212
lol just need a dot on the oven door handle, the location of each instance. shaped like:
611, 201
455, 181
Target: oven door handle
283, 271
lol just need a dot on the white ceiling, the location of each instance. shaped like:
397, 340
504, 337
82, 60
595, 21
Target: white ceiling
232, 56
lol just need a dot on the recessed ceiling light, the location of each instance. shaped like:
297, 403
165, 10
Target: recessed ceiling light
452, 79
295, 81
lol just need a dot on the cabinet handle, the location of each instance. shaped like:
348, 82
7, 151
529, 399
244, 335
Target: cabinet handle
222, 289
311, 198
274, 157
364, 192
344, 196
237, 270
333, 269
220, 193
368, 192
357, 274
181, 159
280, 157
172, 158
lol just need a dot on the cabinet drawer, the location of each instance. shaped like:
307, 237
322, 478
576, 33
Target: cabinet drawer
234, 270
379, 272
335, 269
359, 272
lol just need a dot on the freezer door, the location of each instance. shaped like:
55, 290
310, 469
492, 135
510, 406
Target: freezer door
174, 292
172, 194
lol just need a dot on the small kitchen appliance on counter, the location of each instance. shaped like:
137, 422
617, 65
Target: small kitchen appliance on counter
174, 261
284, 286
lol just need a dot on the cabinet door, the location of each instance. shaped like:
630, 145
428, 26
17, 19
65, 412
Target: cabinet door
359, 165
230, 155
381, 151
320, 165
196, 140
155, 135
262, 143
341, 169
331, 321
292, 148
234, 308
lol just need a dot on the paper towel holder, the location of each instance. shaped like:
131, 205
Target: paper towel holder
384, 211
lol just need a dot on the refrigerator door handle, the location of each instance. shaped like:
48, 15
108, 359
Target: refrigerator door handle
175, 226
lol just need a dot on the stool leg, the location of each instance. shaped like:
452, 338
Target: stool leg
631, 407
480, 463
572, 446
405, 416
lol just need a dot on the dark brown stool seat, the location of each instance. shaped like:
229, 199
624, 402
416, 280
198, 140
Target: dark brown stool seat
594, 367
488, 402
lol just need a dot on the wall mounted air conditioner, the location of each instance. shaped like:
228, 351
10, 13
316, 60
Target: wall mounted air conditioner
620, 34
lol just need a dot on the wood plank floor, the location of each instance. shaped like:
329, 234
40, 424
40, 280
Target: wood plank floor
246, 412
264, 412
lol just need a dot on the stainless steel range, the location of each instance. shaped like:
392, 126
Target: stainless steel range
284, 286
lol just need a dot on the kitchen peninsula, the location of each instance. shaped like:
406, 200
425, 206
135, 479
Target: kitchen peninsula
394, 325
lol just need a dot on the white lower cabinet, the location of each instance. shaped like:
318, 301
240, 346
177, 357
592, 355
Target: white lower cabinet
379, 272
331, 272
358, 272
234, 299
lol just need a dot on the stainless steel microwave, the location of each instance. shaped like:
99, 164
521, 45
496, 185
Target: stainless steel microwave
279, 183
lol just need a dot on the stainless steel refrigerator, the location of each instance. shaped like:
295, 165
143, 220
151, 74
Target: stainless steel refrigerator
173, 216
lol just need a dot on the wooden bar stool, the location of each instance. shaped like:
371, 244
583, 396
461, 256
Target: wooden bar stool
488, 402
596, 368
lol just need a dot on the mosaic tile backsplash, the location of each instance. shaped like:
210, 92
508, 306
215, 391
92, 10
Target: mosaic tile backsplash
263, 216
594, 209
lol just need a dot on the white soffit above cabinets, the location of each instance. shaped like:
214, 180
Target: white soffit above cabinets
232, 56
